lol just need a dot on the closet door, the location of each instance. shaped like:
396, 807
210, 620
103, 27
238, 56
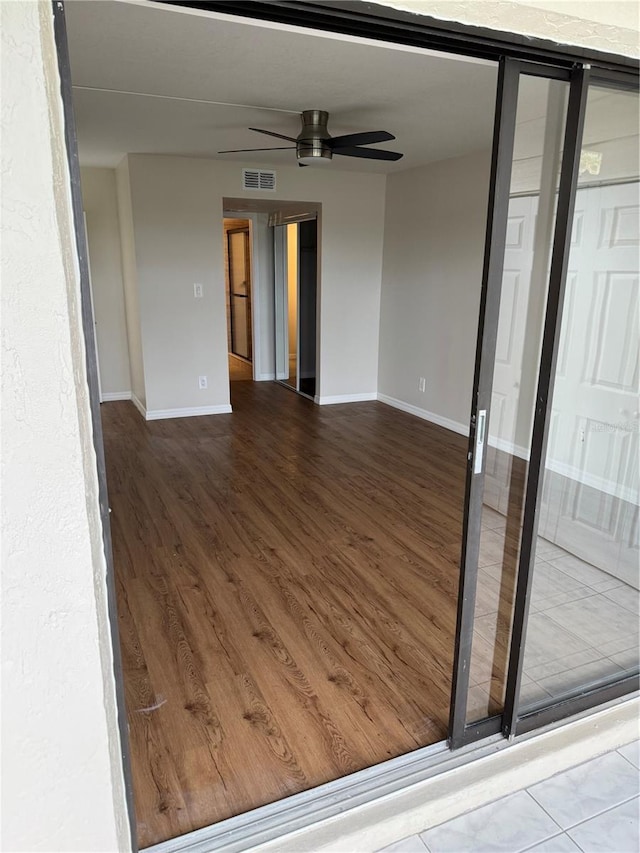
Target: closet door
307, 300
281, 328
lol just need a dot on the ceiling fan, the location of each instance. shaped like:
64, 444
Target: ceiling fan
314, 143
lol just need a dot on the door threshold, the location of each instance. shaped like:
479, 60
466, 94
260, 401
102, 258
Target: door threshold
483, 771
299, 811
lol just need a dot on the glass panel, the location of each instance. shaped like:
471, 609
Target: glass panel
540, 121
583, 622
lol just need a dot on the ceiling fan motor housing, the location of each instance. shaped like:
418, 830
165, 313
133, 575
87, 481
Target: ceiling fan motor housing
311, 142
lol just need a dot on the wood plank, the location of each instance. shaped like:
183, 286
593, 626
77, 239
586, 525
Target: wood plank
287, 583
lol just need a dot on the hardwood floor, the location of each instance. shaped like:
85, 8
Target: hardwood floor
239, 369
287, 580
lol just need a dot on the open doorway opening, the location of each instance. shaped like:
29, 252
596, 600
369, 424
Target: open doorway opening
239, 296
288, 576
288, 572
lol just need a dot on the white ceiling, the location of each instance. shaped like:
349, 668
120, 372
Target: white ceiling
153, 79
188, 84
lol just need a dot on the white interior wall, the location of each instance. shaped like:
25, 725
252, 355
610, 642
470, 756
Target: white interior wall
177, 210
130, 283
432, 274
61, 765
103, 236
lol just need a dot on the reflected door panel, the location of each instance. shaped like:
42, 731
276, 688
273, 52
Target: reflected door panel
583, 630
590, 492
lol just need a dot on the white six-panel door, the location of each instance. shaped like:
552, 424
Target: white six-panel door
590, 495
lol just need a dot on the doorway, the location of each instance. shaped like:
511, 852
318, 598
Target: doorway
296, 289
239, 297
404, 536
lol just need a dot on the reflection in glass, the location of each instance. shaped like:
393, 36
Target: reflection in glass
538, 140
583, 623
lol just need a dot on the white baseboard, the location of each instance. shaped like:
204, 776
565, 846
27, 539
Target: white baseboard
194, 411
346, 398
139, 405
599, 484
508, 447
111, 396
265, 377
426, 415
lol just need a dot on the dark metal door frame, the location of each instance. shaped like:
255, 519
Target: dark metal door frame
509, 722
502, 154
368, 20
576, 109
461, 733
513, 722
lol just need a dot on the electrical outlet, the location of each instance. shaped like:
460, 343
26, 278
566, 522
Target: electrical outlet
422, 384
202, 382
197, 290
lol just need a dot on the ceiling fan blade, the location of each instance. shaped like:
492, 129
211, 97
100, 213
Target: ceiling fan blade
367, 138
271, 133
240, 150
369, 153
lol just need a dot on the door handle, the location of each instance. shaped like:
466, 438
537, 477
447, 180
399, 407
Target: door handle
480, 441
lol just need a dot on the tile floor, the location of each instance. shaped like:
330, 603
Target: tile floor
594, 808
583, 625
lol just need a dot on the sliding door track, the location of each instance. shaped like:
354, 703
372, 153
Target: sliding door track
302, 810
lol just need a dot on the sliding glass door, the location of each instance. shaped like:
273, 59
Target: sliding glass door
582, 634
551, 517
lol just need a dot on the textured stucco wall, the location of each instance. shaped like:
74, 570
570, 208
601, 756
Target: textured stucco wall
62, 780
607, 25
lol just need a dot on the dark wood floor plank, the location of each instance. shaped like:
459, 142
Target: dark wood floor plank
287, 582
